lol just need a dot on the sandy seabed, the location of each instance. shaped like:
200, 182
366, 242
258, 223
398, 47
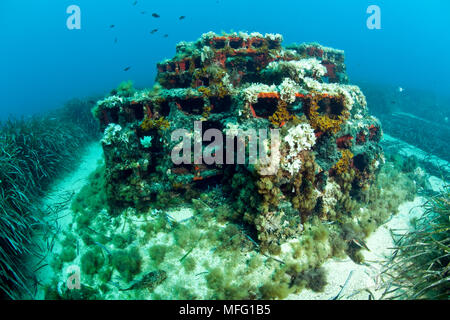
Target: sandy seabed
57, 197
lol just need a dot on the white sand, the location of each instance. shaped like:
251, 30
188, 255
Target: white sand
61, 191
181, 214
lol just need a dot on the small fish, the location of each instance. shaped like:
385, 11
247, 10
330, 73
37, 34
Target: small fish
143, 12
155, 15
166, 35
111, 26
149, 281
135, 3
360, 243
400, 89
115, 40
154, 31
127, 68
182, 17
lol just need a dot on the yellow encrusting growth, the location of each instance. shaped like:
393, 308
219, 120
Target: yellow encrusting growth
343, 165
281, 115
325, 122
160, 123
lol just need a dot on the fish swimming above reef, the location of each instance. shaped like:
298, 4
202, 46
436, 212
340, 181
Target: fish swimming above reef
135, 3
111, 26
166, 35
182, 17
127, 68
149, 281
155, 15
154, 31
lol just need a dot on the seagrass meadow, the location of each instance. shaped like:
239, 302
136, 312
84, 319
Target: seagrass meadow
419, 267
33, 152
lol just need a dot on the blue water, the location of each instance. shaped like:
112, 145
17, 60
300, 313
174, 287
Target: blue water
43, 64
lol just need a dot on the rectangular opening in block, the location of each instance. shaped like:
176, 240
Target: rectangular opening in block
236, 43
192, 105
331, 107
265, 107
220, 104
219, 43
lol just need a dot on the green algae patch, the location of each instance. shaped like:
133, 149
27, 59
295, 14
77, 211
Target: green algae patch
92, 261
127, 262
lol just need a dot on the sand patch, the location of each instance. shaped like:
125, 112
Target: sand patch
181, 214
57, 201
